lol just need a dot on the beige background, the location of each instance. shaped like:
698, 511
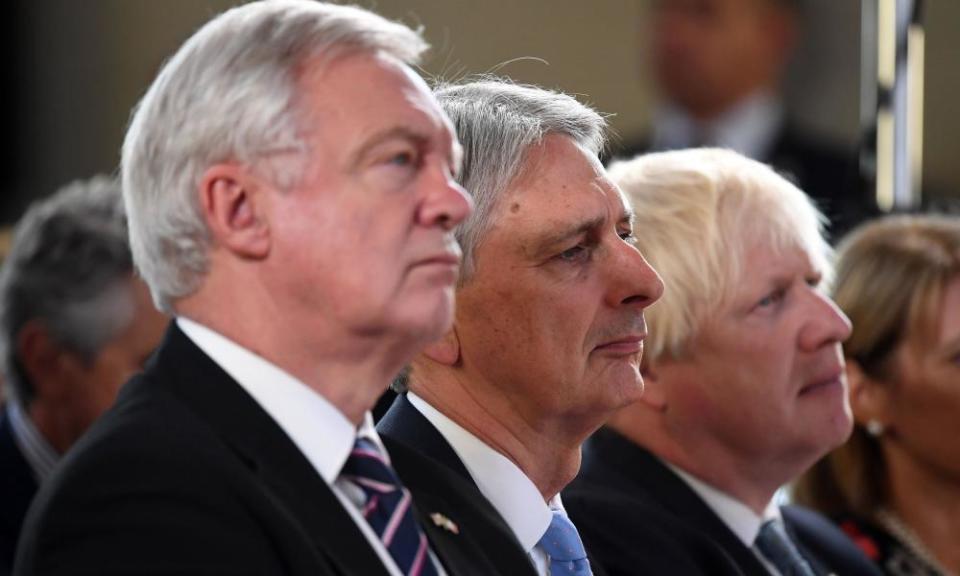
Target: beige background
90, 61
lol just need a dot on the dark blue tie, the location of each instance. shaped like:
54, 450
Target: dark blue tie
388, 509
776, 546
562, 544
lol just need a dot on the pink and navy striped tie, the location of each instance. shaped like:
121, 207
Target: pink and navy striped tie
388, 509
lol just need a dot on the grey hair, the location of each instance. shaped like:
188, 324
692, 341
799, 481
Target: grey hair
229, 94
68, 268
497, 122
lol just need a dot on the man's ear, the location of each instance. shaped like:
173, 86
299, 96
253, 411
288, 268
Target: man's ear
869, 399
446, 350
233, 203
41, 359
653, 393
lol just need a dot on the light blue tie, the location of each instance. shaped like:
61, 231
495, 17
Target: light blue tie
562, 544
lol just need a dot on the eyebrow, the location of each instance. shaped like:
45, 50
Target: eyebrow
563, 233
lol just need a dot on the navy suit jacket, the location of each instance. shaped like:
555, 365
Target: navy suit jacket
429, 465
639, 517
17, 488
187, 474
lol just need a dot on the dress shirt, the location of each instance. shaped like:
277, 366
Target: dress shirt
509, 490
739, 518
38, 453
750, 127
321, 432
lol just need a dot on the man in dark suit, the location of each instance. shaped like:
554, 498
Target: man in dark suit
549, 324
744, 381
288, 181
75, 324
718, 66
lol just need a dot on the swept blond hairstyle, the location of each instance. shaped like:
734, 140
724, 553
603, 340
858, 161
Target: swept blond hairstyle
696, 211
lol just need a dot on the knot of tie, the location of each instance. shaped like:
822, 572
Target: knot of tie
562, 544
777, 547
388, 508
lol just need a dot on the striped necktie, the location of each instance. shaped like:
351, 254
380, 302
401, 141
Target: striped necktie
388, 509
775, 545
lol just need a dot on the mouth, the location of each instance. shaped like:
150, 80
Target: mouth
626, 345
450, 259
828, 382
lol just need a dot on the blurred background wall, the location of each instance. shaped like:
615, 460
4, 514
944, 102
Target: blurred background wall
78, 67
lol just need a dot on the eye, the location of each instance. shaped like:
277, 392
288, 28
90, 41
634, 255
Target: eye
404, 158
628, 237
578, 253
771, 299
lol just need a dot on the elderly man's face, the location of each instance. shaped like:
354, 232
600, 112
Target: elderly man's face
763, 379
364, 240
553, 316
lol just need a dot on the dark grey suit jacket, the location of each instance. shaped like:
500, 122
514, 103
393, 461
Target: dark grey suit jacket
639, 517
431, 466
17, 488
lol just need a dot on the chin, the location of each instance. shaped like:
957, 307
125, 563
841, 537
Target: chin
432, 323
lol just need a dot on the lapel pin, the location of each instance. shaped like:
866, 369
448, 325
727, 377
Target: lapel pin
445, 523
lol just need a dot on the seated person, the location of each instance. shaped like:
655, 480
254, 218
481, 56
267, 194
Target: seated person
549, 324
894, 487
75, 325
744, 381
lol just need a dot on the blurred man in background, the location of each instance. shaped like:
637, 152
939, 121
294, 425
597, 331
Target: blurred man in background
74, 325
718, 66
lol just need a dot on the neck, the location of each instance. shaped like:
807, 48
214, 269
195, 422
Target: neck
545, 449
927, 500
350, 372
706, 459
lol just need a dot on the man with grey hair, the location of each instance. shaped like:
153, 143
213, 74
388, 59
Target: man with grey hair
549, 327
289, 182
74, 325
745, 382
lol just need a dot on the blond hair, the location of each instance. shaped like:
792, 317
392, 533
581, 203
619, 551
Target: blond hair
696, 212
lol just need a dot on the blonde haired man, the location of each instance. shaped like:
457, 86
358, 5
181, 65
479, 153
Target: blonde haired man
744, 380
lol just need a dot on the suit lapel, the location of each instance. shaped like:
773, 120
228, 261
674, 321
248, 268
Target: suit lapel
466, 532
406, 425
261, 444
640, 468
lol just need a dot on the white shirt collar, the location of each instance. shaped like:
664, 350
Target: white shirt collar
741, 520
749, 127
319, 430
501, 481
39, 454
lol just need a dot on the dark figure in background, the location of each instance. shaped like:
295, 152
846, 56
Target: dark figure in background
75, 324
718, 65
894, 487
289, 185
548, 331
744, 381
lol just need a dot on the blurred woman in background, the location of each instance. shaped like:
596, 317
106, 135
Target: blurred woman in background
894, 487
